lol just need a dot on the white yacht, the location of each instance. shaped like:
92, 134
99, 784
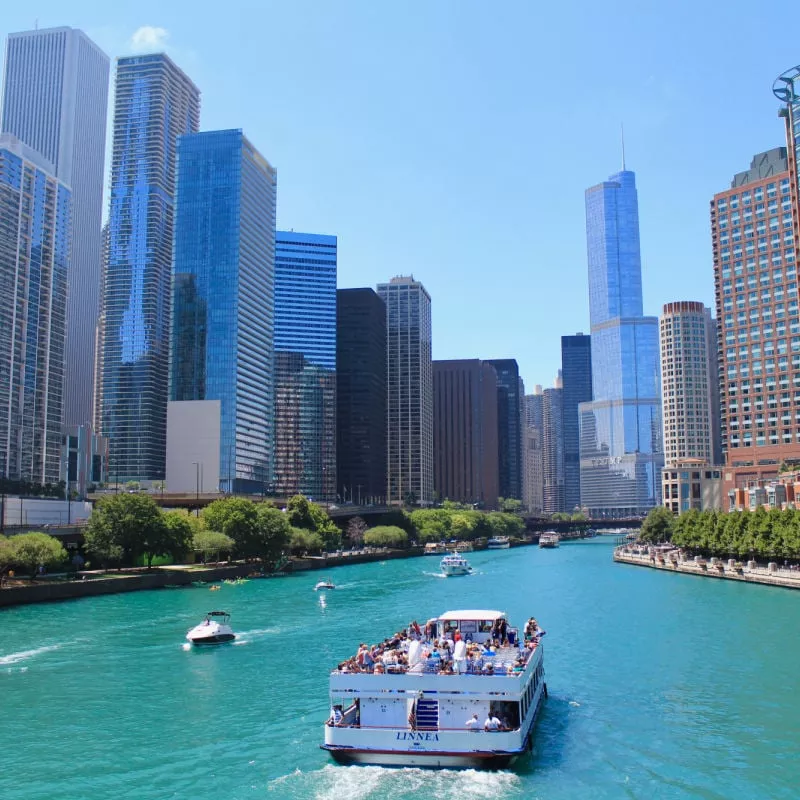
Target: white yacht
549, 539
214, 630
498, 543
414, 709
455, 564
325, 583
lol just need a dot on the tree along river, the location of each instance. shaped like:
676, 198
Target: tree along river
660, 685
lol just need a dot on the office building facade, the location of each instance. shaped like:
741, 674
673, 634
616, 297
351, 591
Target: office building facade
553, 486
755, 281
410, 391
621, 453
465, 432
360, 396
509, 430
34, 259
532, 443
155, 103
55, 100
305, 365
223, 298
576, 372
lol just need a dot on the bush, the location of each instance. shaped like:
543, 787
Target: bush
30, 550
386, 536
302, 541
211, 544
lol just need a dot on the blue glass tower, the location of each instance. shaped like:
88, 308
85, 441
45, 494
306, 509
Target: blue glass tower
222, 305
621, 452
305, 365
154, 104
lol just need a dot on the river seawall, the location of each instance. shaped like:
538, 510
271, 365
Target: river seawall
707, 569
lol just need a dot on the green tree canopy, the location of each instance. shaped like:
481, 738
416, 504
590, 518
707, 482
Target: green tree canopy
657, 526
273, 537
302, 513
30, 550
386, 536
303, 541
509, 505
211, 544
125, 527
6, 553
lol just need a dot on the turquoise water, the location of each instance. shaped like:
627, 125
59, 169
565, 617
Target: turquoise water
660, 685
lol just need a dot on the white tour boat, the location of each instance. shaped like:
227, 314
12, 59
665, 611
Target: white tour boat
549, 539
406, 705
455, 564
325, 583
214, 630
498, 543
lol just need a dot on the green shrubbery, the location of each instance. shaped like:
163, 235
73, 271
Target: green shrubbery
386, 536
29, 551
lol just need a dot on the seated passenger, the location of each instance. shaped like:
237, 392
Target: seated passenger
492, 723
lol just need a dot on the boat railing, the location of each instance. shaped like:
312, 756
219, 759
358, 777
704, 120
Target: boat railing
462, 729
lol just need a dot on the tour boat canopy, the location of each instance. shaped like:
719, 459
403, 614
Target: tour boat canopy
481, 614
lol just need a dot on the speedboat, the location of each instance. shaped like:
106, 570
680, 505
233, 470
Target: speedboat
213, 630
327, 583
549, 539
455, 564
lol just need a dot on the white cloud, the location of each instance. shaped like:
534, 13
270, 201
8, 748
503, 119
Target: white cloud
149, 38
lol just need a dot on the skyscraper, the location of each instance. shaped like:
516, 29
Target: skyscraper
509, 432
223, 284
410, 386
305, 365
690, 405
533, 434
55, 100
360, 396
465, 432
553, 448
620, 429
755, 281
155, 103
34, 257
576, 371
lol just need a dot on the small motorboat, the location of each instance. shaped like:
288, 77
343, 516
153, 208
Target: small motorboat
213, 630
327, 583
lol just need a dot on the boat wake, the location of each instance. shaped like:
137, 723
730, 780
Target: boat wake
435, 574
24, 655
357, 783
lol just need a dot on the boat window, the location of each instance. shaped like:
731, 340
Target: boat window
450, 626
468, 626
485, 626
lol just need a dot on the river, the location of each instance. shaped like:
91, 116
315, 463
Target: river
661, 685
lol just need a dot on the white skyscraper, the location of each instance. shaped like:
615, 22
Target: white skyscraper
55, 100
410, 391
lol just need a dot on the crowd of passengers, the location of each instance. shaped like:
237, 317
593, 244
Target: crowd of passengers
449, 654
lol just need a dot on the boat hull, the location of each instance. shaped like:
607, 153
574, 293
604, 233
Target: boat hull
433, 760
452, 572
222, 638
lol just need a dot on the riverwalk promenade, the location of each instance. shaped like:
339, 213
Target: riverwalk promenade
673, 560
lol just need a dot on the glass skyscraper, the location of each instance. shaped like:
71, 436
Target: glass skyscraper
305, 365
222, 304
576, 371
509, 426
621, 452
55, 100
155, 103
34, 256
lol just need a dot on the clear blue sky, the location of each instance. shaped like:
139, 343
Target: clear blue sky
454, 139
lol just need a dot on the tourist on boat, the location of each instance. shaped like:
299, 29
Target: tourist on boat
473, 723
460, 657
336, 715
492, 723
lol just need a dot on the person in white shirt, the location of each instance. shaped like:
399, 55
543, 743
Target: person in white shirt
492, 723
473, 724
460, 657
336, 716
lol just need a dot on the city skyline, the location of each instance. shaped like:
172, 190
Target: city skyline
334, 180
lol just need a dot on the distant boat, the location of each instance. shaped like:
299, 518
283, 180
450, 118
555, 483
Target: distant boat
435, 549
498, 543
455, 564
549, 539
326, 583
